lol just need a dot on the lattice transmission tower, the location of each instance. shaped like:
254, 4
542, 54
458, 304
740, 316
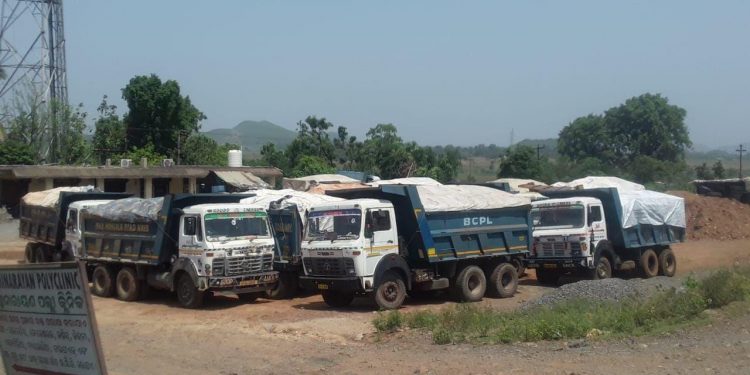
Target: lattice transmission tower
32, 52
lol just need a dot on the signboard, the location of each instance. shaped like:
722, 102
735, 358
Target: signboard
47, 324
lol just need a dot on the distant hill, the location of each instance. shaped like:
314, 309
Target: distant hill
252, 135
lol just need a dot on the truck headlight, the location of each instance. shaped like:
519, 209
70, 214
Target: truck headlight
207, 267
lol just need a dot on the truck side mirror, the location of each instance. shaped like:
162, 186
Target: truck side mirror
190, 226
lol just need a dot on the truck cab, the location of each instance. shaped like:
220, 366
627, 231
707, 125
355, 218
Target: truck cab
71, 247
227, 246
566, 233
346, 241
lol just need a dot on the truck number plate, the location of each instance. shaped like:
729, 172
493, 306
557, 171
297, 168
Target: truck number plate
322, 286
248, 282
550, 265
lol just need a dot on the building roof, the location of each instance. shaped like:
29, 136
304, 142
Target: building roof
55, 171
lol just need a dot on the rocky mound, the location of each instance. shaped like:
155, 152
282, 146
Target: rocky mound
714, 218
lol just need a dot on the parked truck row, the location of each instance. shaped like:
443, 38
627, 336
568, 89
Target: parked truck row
387, 241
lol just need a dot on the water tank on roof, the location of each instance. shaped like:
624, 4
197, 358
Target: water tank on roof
235, 158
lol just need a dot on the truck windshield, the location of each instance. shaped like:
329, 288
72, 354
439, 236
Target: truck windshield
235, 225
560, 217
334, 225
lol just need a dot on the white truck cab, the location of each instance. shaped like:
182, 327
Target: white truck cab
224, 241
347, 240
567, 231
73, 223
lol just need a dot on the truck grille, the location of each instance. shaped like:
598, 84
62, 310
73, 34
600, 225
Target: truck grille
329, 266
553, 249
242, 265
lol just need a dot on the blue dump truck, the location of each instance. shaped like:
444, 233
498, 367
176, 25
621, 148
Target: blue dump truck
593, 232
49, 221
391, 240
191, 244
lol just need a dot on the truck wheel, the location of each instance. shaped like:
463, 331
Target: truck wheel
470, 284
102, 281
547, 277
503, 281
391, 292
40, 254
187, 293
128, 286
286, 287
337, 299
649, 264
602, 270
28, 254
667, 263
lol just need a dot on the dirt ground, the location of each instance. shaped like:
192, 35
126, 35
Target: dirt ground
304, 336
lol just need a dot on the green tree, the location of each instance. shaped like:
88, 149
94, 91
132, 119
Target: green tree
16, 153
311, 165
109, 134
202, 150
521, 162
585, 137
158, 114
703, 172
274, 157
718, 169
385, 154
347, 148
136, 154
649, 126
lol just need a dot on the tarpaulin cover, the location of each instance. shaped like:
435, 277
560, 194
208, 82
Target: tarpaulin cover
129, 209
49, 198
241, 180
303, 200
446, 198
639, 206
406, 181
305, 183
518, 184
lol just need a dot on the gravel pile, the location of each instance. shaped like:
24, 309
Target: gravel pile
607, 289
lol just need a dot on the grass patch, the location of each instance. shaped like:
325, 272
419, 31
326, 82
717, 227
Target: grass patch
575, 319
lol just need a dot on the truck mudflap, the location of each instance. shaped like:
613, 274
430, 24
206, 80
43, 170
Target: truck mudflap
560, 263
259, 281
341, 284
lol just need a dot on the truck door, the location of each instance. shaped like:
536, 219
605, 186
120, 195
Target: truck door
380, 231
597, 224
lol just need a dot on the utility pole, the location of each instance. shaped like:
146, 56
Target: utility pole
539, 148
741, 150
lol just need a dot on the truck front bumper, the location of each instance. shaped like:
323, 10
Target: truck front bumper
339, 284
563, 264
242, 284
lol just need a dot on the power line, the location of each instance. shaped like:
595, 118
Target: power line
741, 150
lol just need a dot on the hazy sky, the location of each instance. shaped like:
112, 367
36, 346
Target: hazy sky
444, 72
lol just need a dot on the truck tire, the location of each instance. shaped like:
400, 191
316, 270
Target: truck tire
102, 281
391, 292
667, 263
188, 294
337, 299
28, 254
40, 254
470, 285
649, 264
286, 287
127, 285
503, 281
602, 269
547, 277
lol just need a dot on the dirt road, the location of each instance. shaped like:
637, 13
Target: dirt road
303, 335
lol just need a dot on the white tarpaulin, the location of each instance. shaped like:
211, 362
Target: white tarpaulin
303, 200
407, 181
639, 206
442, 198
129, 209
241, 180
305, 183
650, 207
49, 198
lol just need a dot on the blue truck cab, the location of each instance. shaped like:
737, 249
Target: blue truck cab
383, 241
